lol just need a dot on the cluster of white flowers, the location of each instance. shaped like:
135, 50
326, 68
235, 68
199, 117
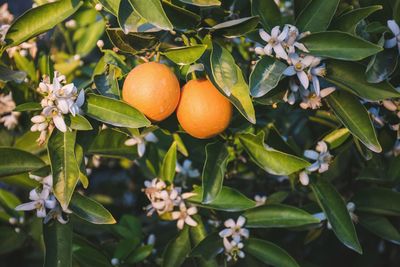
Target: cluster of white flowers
6, 18
322, 159
232, 236
165, 200
59, 99
395, 41
307, 68
351, 207
140, 142
8, 117
42, 200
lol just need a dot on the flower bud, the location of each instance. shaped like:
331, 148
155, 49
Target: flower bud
98, 7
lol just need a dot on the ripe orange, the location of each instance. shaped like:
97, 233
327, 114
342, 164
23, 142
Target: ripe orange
203, 111
153, 89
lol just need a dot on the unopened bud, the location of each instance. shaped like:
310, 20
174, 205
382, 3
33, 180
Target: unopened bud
100, 44
98, 7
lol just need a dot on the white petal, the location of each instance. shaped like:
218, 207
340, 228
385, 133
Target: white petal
63, 105
227, 244
391, 42
230, 223
192, 211
317, 88
180, 224
245, 232
38, 119
141, 149
304, 179
308, 60
81, 98
68, 89
275, 31
264, 35
280, 52
322, 147
60, 123
393, 27
323, 167
241, 254
26, 206
259, 50
327, 91
190, 221
175, 215
41, 213
303, 79
241, 221
283, 34
225, 233
301, 47
315, 166
151, 137
131, 142
268, 49
311, 154
289, 71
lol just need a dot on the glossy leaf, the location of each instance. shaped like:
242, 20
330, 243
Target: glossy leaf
339, 45
335, 210
268, 11
214, 169
223, 68
132, 42
270, 160
351, 77
380, 226
7, 75
111, 5
29, 106
237, 27
337, 137
202, 3
378, 200
78, 122
269, 253
40, 19
180, 17
131, 21
15, 161
185, 55
317, 15
277, 215
153, 12
266, 76
58, 243
140, 253
349, 21
228, 199
169, 164
11, 240
90, 210
177, 249
114, 112
381, 66
209, 247
355, 117
88, 41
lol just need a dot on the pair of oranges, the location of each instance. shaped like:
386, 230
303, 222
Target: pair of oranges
153, 89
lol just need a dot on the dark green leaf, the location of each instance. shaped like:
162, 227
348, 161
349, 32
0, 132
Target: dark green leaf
15, 161
214, 170
355, 117
380, 226
378, 200
381, 66
132, 42
317, 15
153, 12
269, 253
277, 215
228, 199
40, 19
113, 112
90, 210
351, 77
209, 247
237, 27
177, 249
181, 18
58, 243
140, 254
339, 45
268, 11
169, 164
10, 240
266, 76
335, 210
270, 160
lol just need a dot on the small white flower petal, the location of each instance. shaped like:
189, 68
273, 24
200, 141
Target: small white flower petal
311, 154
303, 79
264, 35
60, 123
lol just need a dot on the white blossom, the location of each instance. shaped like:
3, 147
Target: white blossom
292, 40
310, 99
274, 42
395, 41
71, 24
55, 214
40, 201
98, 7
235, 230
140, 142
100, 44
8, 117
298, 67
114, 262
233, 249
260, 200
183, 216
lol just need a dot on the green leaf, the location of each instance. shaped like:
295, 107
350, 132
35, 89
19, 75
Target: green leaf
58, 243
266, 75
88, 41
209, 247
185, 55
349, 21
87, 255
381, 227
214, 169
64, 167
268, 11
269, 253
229, 199
139, 254
181, 18
177, 249
90, 210
381, 66
351, 77
237, 27
169, 164
202, 3
7, 75
111, 6
107, 82
354, 117
339, 45
270, 160
40, 19
277, 215
78, 122
396, 12
131, 21
335, 210
15, 161
337, 137
133, 43
153, 12
317, 15
223, 68
26, 65
378, 200
114, 112
30, 106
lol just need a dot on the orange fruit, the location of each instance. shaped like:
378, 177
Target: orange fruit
153, 89
203, 111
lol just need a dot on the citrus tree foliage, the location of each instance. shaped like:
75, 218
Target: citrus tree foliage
307, 170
